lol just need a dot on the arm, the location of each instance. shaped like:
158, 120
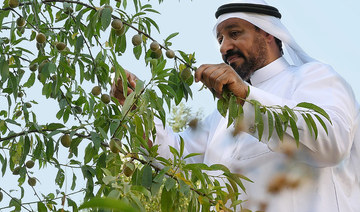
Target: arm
320, 86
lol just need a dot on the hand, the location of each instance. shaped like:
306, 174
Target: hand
217, 76
117, 87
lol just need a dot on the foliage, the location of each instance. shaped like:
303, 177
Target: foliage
181, 116
78, 47
278, 117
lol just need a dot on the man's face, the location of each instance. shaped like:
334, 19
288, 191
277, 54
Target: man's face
242, 46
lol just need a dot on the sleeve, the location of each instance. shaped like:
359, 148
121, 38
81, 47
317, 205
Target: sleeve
195, 139
321, 86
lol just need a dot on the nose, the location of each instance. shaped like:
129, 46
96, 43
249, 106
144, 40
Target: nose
226, 45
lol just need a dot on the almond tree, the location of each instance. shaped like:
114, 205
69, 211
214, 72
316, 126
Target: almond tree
105, 144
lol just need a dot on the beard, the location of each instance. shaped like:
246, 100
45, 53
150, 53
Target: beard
257, 58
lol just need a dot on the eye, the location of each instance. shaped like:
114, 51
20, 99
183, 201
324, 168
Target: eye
234, 34
220, 39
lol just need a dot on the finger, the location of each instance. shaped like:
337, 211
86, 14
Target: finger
199, 71
220, 82
131, 79
213, 74
129, 90
210, 74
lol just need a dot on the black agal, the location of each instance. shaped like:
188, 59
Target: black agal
246, 7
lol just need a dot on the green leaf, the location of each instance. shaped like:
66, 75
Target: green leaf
236, 179
169, 184
108, 203
278, 126
236, 202
220, 167
54, 126
142, 190
233, 186
222, 107
49, 149
79, 43
171, 36
128, 103
137, 51
233, 110
139, 126
167, 200
114, 194
192, 155
108, 179
121, 44
163, 160
322, 123
48, 69
124, 80
60, 177
4, 165
270, 124
26, 147
314, 108
295, 131
39, 59
105, 18
73, 184
89, 153
78, 7
174, 151
4, 69
182, 144
184, 188
25, 50
72, 204
139, 86
259, 121
160, 176
313, 124
66, 115
291, 112
147, 176
166, 89
41, 207
16, 203
30, 81
153, 23
307, 121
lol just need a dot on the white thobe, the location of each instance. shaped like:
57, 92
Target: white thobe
328, 166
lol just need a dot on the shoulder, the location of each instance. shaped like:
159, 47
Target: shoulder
313, 67
316, 71
320, 76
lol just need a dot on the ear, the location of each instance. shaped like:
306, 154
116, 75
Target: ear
269, 38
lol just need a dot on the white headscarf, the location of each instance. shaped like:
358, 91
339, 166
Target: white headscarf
271, 25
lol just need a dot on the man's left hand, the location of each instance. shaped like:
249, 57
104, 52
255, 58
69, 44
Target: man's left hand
216, 76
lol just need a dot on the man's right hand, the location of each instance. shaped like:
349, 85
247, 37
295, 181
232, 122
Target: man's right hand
117, 87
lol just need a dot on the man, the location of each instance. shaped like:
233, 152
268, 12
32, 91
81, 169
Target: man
322, 174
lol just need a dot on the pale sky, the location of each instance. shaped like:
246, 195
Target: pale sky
326, 29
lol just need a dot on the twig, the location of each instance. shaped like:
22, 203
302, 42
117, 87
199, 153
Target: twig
34, 202
21, 204
40, 131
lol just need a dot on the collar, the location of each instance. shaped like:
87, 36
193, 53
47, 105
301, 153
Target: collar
269, 71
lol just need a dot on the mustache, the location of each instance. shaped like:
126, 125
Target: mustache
232, 53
